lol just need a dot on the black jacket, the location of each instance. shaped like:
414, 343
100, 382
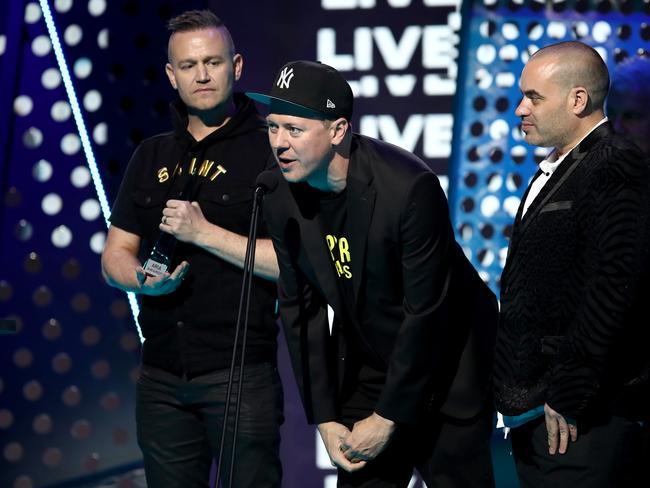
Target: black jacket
192, 329
574, 326
419, 303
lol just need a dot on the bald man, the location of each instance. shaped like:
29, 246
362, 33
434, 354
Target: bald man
573, 331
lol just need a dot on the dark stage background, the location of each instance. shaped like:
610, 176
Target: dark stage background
82, 82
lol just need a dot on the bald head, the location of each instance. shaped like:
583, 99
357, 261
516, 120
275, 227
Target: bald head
577, 64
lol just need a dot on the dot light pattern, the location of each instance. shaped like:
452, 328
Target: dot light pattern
71, 143
66, 377
491, 163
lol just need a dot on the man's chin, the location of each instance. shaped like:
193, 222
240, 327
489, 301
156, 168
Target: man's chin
203, 106
291, 176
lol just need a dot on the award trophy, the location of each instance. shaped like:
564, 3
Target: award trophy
161, 255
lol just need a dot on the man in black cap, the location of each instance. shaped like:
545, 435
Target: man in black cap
398, 377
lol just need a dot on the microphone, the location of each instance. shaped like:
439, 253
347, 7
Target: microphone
267, 181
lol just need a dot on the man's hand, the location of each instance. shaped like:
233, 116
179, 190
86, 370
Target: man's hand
333, 435
559, 431
369, 437
163, 284
183, 220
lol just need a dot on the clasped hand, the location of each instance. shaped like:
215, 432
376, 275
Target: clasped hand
351, 450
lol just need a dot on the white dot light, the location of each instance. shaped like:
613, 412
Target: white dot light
508, 52
89, 209
495, 182
528, 52
23, 105
505, 79
581, 28
97, 242
510, 205
556, 30
42, 170
503, 254
82, 68
484, 28
96, 7
488, 258
70, 144
3, 44
518, 151
601, 31
466, 232
51, 78
541, 152
483, 78
51, 204
510, 31
486, 53
90, 157
516, 133
489, 206
61, 236
468, 252
102, 39
499, 129
33, 137
32, 13
72, 35
536, 32
511, 185
92, 100
444, 183
41, 45
62, 6
100, 133
80, 177
60, 111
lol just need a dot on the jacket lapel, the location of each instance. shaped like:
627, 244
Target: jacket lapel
561, 174
360, 202
361, 197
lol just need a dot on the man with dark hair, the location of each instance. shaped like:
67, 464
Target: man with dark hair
399, 378
573, 332
188, 314
629, 99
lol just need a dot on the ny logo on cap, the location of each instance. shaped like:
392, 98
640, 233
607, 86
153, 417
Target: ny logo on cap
285, 78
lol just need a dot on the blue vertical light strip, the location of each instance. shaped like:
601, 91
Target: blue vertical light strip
83, 134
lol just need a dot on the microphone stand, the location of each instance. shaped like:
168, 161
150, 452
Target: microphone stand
244, 301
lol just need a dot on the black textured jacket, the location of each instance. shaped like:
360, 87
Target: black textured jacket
574, 325
192, 329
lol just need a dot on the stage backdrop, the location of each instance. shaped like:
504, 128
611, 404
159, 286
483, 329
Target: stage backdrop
82, 83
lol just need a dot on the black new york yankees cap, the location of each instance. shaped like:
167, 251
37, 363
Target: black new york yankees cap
310, 85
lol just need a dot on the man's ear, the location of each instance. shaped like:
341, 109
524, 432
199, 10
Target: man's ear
237, 65
579, 99
169, 69
339, 128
